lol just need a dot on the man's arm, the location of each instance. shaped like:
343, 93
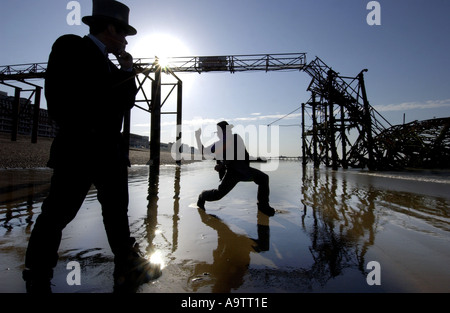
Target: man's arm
204, 150
63, 80
198, 134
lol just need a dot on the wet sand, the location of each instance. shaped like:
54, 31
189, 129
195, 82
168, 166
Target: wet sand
24, 154
328, 226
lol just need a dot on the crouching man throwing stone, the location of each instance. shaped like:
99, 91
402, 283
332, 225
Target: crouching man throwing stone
233, 166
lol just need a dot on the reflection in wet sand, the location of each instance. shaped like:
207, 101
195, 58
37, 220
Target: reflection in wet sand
151, 219
231, 258
348, 216
17, 196
328, 226
343, 227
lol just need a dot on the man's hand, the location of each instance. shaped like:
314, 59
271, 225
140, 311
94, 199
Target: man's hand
198, 133
125, 60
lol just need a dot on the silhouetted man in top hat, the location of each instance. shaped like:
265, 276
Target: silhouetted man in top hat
88, 97
233, 165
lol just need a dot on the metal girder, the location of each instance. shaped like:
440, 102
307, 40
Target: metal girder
192, 64
232, 63
21, 72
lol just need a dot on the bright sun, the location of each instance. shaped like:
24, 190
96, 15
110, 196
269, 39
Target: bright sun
164, 46
159, 45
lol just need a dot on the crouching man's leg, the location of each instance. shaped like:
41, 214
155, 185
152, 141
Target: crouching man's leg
262, 180
228, 182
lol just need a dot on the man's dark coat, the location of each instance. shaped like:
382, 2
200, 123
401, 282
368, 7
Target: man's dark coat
87, 96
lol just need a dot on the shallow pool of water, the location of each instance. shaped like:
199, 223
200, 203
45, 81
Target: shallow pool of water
328, 226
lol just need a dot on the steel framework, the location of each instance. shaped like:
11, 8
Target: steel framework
347, 131
149, 72
344, 124
232, 63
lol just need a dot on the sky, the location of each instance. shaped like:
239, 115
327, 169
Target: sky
407, 55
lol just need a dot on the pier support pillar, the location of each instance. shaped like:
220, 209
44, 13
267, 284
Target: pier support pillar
343, 139
155, 121
314, 118
36, 108
15, 114
367, 122
303, 136
179, 145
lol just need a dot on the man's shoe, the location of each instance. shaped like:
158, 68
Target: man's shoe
36, 282
133, 272
266, 209
201, 203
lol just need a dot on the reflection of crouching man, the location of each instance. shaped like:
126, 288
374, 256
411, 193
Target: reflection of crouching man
233, 166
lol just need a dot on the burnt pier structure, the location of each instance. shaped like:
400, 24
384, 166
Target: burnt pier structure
346, 131
343, 129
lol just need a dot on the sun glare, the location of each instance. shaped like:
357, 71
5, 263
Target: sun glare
160, 45
158, 259
165, 47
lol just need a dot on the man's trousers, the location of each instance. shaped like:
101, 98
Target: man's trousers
69, 186
232, 177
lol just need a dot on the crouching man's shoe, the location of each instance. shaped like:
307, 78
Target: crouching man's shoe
201, 203
266, 209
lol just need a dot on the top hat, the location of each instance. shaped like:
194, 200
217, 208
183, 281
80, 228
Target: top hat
110, 11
